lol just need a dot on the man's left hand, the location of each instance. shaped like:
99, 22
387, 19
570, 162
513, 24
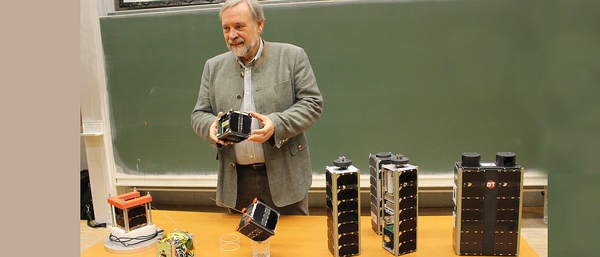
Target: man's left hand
263, 134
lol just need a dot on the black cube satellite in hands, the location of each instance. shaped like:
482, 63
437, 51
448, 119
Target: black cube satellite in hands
234, 126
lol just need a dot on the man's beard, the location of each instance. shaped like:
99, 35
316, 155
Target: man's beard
242, 50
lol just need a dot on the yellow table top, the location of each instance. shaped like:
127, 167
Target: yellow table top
294, 236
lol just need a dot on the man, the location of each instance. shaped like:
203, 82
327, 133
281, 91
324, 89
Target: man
274, 82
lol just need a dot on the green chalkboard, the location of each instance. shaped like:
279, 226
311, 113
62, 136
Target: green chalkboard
426, 79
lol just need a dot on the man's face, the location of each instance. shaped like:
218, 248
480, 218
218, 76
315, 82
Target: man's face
241, 32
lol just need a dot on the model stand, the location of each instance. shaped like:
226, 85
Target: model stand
132, 229
258, 221
487, 205
343, 208
399, 184
375, 163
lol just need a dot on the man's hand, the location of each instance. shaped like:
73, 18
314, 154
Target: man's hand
263, 134
213, 131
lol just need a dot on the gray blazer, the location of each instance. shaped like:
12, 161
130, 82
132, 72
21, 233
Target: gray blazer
286, 90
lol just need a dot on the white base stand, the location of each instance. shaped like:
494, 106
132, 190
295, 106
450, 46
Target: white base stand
134, 245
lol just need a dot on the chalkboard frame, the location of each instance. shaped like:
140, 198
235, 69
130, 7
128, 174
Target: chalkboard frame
144, 4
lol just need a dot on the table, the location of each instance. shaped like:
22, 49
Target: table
294, 236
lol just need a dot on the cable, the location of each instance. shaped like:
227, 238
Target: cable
125, 240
